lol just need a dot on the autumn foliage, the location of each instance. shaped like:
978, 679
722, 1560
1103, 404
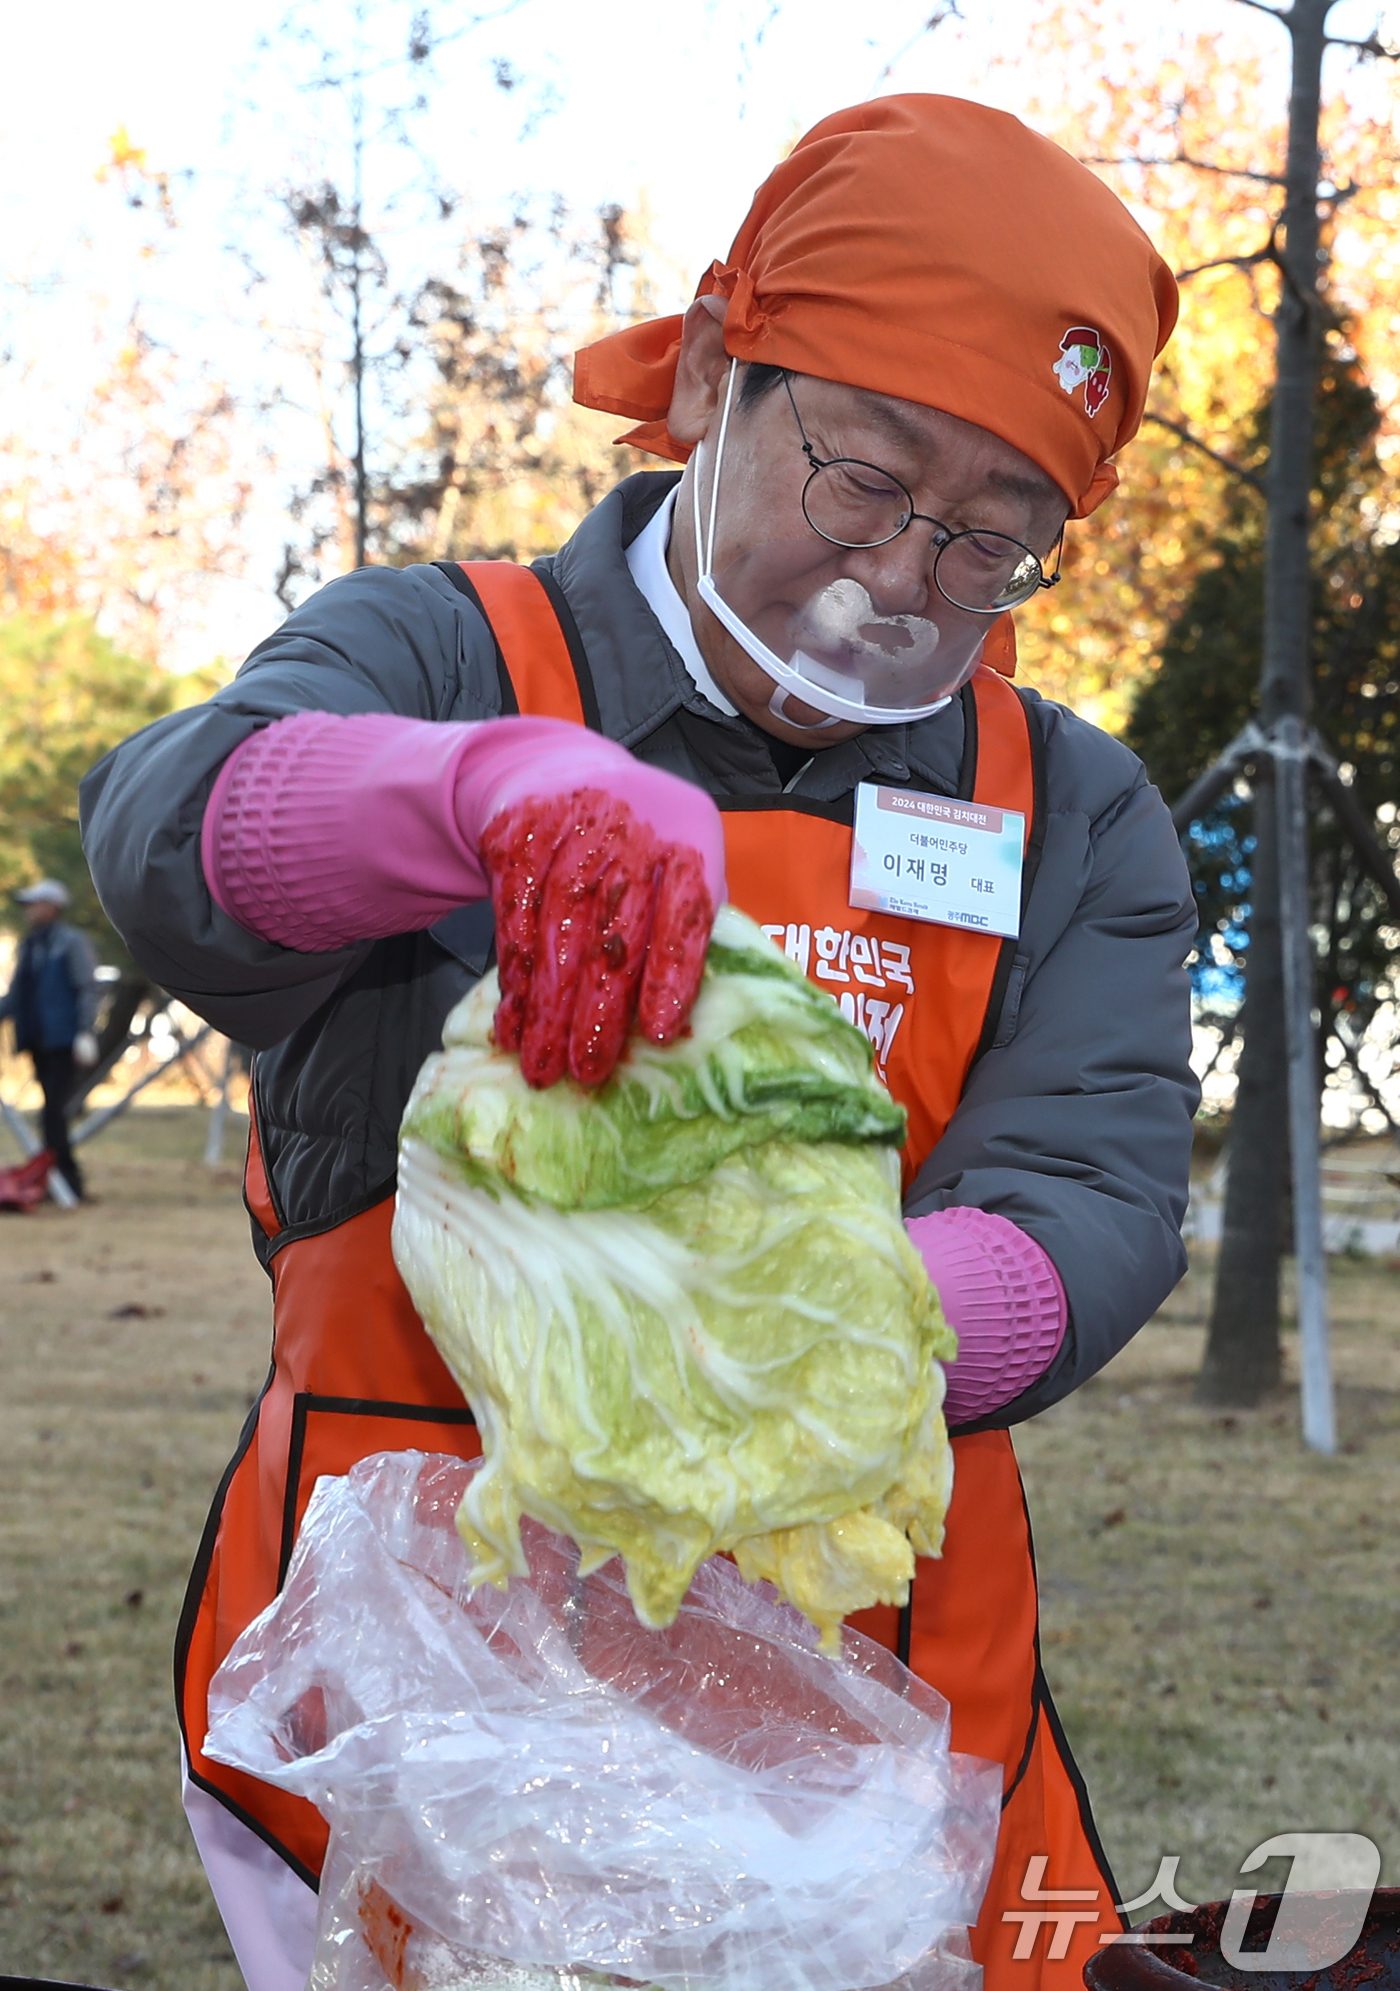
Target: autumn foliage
1190, 129
128, 516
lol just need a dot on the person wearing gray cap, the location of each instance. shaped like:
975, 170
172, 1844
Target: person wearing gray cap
52, 1002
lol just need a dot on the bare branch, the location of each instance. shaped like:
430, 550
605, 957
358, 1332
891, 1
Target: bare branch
1260, 8
1198, 165
1266, 255
947, 10
422, 47
1226, 463
1372, 46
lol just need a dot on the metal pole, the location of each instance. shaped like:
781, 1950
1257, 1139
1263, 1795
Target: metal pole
1375, 858
24, 1134
1222, 773
95, 1122
1291, 750
218, 1118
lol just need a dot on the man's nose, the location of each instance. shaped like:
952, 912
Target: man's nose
898, 576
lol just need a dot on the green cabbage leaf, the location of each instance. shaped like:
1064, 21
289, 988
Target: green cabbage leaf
683, 1306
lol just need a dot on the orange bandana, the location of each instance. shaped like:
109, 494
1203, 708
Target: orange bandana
937, 251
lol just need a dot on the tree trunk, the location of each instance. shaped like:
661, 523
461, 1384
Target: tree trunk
1242, 1350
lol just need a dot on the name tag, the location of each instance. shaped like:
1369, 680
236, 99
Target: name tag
925, 857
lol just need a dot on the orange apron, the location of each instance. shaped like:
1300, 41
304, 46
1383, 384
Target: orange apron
353, 1371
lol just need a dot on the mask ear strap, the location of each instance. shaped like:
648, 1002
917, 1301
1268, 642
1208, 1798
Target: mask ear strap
719, 461
702, 556
698, 460
776, 704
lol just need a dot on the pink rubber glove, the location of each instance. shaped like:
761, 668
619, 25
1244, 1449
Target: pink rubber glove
322, 831
1003, 1299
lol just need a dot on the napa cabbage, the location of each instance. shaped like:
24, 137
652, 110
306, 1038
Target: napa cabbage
683, 1306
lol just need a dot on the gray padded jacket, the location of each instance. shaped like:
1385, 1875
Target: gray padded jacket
1076, 1121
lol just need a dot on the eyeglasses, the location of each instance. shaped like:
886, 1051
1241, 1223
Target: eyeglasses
852, 503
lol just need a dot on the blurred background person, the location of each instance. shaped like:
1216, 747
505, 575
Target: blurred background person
52, 1003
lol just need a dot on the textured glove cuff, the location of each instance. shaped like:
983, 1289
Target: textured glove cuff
322, 831
1003, 1299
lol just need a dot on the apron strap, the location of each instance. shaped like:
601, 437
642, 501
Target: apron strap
543, 665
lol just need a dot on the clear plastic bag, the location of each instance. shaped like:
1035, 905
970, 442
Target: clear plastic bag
528, 1789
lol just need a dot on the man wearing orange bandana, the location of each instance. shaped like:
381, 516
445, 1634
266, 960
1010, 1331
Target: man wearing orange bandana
784, 673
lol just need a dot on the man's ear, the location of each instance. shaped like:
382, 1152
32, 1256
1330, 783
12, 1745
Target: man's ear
700, 369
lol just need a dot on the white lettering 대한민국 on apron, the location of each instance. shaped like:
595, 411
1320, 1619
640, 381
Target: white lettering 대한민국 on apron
868, 974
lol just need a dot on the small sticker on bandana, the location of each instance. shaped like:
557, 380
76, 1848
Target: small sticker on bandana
928, 857
1086, 362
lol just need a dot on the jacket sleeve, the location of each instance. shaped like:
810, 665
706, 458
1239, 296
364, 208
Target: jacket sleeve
1076, 1123
397, 640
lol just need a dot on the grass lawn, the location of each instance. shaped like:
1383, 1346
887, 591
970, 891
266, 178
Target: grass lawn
1221, 1622
1220, 1611
133, 1335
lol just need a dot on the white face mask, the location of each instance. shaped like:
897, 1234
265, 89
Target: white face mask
822, 640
